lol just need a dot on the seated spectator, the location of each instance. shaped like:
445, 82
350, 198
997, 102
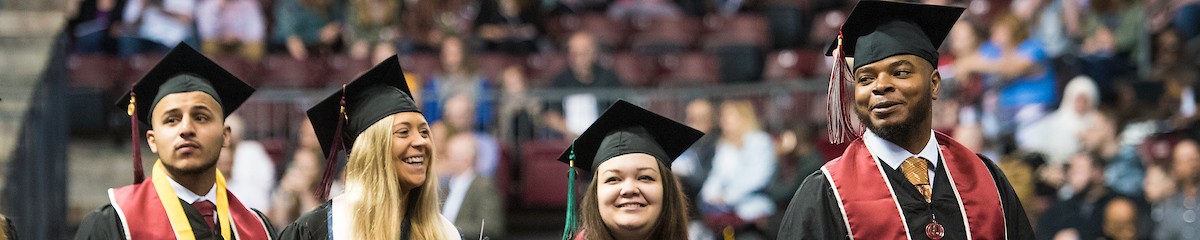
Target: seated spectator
1178, 219
742, 166
507, 26
1111, 33
471, 201
231, 27
626, 9
459, 118
308, 27
371, 28
458, 77
1121, 220
1015, 66
1083, 212
296, 194
1057, 135
1125, 170
94, 24
1159, 184
248, 170
517, 109
156, 26
692, 167
583, 72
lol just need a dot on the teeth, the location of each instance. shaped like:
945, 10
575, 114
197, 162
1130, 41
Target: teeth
414, 160
631, 204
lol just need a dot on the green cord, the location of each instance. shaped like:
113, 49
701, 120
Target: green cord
571, 218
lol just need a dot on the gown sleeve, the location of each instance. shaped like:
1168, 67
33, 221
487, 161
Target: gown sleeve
813, 212
1014, 214
310, 226
104, 223
271, 231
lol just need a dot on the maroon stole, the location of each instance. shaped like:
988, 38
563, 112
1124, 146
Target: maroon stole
871, 211
143, 216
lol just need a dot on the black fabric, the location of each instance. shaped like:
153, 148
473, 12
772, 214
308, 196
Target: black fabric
314, 225
105, 223
880, 29
626, 128
601, 78
1084, 215
378, 93
814, 213
10, 230
184, 82
185, 70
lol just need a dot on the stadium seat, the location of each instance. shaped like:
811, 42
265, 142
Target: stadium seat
543, 178
791, 64
542, 67
343, 69
491, 65
283, 71
633, 69
688, 70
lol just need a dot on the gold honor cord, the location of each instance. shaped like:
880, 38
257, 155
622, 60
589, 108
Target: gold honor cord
179, 221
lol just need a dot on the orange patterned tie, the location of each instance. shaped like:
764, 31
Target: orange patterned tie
917, 172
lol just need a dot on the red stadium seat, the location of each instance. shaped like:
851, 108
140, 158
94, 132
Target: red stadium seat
423, 65
791, 64
283, 71
248, 71
689, 69
633, 69
541, 68
104, 72
343, 69
543, 178
665, 34
742, 29
491, 65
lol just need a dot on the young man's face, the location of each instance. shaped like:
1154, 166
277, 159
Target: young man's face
895, 95
188, 132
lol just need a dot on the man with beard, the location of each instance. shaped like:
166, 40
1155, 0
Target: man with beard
185, 99
901, 180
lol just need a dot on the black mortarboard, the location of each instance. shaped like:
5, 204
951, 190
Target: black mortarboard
880, 29
186, 70
181, 70
626, 128
378, 93
623, 129
874, 31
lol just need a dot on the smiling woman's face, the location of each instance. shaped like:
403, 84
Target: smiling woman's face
630, 193
410, 146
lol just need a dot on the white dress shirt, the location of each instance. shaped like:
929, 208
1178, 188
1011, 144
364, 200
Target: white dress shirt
458, 191
894, 155
191, 198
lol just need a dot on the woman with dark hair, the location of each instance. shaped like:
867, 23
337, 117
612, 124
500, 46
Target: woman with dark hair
632, 194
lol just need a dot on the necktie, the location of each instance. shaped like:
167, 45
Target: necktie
206, 209
917, 172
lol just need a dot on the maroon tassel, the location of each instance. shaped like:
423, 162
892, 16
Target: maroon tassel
842, 127
138, 175
331, 160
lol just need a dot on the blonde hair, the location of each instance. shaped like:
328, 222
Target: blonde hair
744, 110
373, 187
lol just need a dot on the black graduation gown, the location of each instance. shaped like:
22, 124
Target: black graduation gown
314, 225
105, 223
9, 228
814, 213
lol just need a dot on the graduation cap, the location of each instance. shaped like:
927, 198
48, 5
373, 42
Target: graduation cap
874, 31
181, 70
624, 129
341, 117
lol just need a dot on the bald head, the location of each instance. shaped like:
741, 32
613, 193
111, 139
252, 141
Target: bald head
582, 50
1185, 160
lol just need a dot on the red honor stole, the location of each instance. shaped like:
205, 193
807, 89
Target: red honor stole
871, 211
144, 216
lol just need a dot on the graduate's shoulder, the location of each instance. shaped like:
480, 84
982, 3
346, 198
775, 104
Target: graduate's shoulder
308, 225
102, 223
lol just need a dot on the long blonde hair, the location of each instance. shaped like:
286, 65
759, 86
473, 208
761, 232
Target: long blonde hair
373, 187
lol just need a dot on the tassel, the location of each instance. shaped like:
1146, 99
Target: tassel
840, 100
331, 160
571, 211
138, 175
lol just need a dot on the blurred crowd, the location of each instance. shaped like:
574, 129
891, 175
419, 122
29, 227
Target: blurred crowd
1089, 106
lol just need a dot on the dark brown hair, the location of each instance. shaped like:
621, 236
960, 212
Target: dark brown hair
672, 220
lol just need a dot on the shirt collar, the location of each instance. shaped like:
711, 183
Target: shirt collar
893, 154
190, 197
